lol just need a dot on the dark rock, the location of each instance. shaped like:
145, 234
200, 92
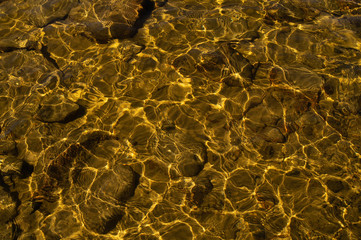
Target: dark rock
331, 86
208, 191
202, 119
147, 64
259, 235
99, 220
211, 64
312, 61
268, 151
4, 104
8, 147
60, 166
266, 196
294, 184
352, 22
238, 62
109, 190
279, 12
310, 125
297, 231
336, 185
189, 164
121, 30
92, 139
126, 124
185, 64
161, 93
142, 138
151, 113
200, 190
115, 186
58, 109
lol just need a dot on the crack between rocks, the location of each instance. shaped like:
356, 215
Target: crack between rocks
148, 7
56, 20
254, 70
12, 49
44, 51
80, 112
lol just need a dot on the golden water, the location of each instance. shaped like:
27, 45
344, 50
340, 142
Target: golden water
180, 119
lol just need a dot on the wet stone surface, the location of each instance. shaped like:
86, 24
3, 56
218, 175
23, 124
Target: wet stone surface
147, 119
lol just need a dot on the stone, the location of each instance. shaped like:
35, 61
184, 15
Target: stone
317, 219
336, 185
185, 64
59, 109
304, 79
66, 223
8, 147
200, 191
109, 190
242, 178
299, 40
18, 128
122, 16
98, 220
142, 138
211, 64
189, 164
179, 231
315, 189
271, 134
156, 170
115, 186
50, 11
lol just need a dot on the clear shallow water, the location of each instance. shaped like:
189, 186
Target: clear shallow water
180, 119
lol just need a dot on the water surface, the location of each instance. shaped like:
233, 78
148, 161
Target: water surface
170, 120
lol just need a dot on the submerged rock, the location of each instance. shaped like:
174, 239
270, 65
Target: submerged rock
150, 119
101, 209
59, 109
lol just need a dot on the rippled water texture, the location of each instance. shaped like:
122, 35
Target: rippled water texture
180, 119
